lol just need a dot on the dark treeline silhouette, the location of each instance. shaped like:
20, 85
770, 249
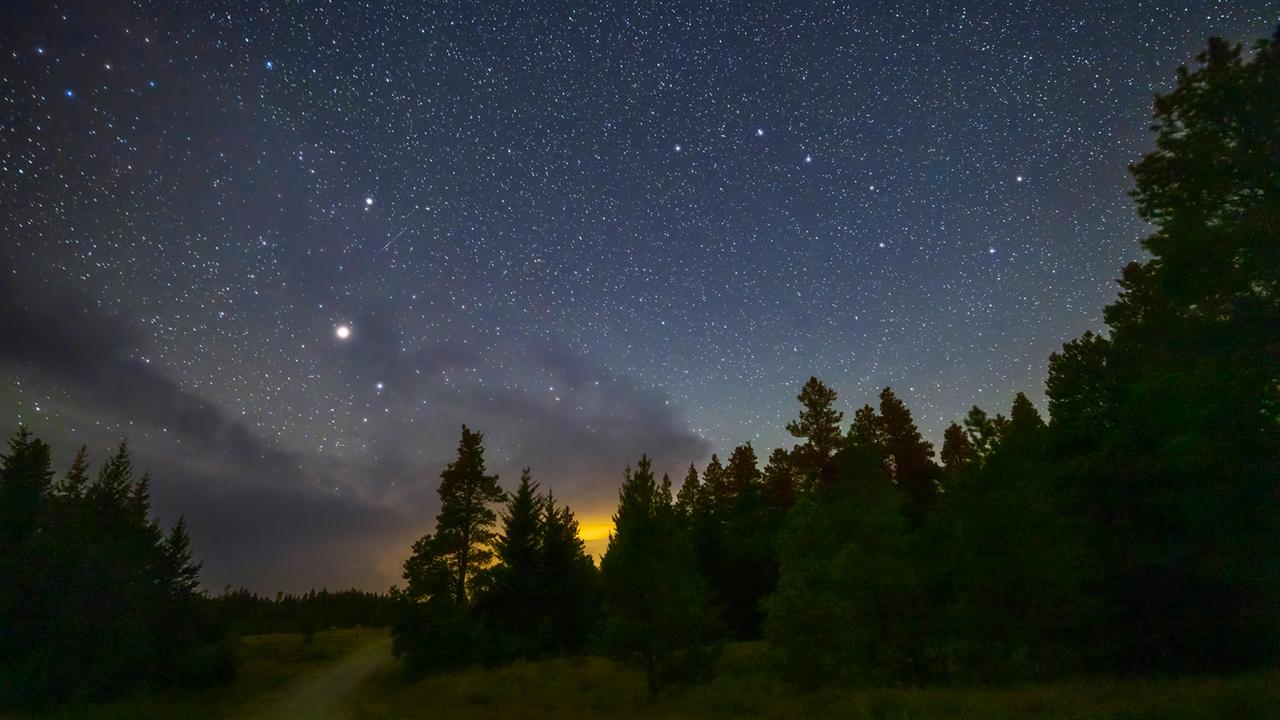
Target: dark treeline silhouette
477, 594
96, 600
1133, 532
247, 613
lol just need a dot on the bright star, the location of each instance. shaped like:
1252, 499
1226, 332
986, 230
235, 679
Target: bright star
1019, 178
70, 93
808, 158
368, 201
270, 65
759, 132
342, 331
678, 148
378, 386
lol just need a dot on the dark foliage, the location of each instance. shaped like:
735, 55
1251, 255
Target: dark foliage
95, 599
530, 590
247, 613
656, 603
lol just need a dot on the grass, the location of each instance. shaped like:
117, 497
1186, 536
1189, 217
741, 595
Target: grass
744, 687
267, 663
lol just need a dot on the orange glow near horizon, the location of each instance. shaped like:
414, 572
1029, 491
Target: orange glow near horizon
595, 534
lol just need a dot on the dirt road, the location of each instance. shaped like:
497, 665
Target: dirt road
324, 694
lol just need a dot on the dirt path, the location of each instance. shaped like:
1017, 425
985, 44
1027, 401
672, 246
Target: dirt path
323, 695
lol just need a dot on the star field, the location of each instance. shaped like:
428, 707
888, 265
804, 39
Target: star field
340, 229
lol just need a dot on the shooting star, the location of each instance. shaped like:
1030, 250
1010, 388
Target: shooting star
396, 237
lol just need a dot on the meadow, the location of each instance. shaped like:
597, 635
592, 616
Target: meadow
746, 686
284, 677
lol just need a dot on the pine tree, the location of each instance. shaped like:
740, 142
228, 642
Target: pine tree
982, 433
779, 480
957, 453
819, 425
568, 580
688, 498
76, 482
464, 527
907, 455
656, 604
510, 602
714, 488
26, 475
182, 572
742, 474
1168, 427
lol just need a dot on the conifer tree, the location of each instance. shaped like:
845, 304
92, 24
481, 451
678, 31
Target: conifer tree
742, 474
779, 480
464, 532
510, 602
688, 498
568, 580
907, 455
655, 601
819, 426
26, 475
957, 453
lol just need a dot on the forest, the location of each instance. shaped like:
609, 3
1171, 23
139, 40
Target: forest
1127, 529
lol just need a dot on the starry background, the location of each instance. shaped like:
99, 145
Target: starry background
588, 230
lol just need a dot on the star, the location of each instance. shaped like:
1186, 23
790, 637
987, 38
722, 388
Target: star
342, 331
368, 201
678, 148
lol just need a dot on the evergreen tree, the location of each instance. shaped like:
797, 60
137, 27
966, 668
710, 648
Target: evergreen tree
568, 580
95, 601
851, 598
958, 454
742, 474
464, 527
1169, 427
655, 601
779, 480
26, 475
510, 603
819, 425
688, 498
907, 455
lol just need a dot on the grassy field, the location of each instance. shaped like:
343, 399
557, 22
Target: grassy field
268, 663
597, 688
281, 677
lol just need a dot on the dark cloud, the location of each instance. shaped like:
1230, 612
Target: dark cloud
270, 518
61, 337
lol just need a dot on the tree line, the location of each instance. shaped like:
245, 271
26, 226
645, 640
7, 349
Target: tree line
96, 599
1135, 531
243, 612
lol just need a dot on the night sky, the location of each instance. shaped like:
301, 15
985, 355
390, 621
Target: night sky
589, 231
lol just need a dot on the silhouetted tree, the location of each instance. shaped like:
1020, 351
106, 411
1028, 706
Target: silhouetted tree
95, 599
779, 480
957, 454
655, 601
819, 425
464, 527
568, 581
